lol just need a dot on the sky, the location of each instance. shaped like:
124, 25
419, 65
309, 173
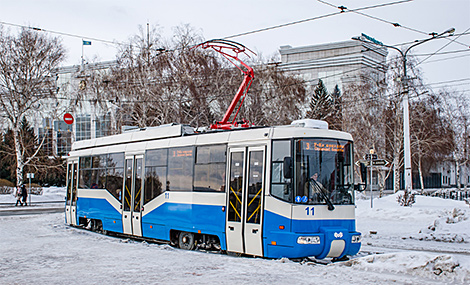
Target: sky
117, 20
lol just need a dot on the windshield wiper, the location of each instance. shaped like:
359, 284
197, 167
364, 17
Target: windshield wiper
320, 190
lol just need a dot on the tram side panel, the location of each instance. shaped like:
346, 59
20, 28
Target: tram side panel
185, 212
100, 205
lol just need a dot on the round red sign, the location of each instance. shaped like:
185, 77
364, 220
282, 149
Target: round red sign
68, 118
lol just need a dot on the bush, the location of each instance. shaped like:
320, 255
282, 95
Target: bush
4, 182
407, 199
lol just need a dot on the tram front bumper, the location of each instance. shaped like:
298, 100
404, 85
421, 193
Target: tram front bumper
330, 242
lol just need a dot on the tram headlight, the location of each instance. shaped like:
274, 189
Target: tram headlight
356, 239
308, 240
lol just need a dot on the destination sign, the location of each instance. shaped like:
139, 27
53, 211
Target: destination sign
322, 146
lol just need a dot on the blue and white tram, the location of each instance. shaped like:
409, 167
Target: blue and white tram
273, 192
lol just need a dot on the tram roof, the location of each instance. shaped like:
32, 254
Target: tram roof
209, 136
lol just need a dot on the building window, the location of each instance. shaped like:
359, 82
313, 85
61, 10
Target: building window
83, 128
64, 137
46, 134
103, 126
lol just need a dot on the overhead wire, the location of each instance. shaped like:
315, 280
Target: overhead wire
228, 37
444, 46
342, 8
395, 24
60, 33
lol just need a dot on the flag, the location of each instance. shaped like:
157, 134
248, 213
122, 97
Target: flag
87, 43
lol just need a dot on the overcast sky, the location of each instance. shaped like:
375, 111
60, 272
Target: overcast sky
116, 20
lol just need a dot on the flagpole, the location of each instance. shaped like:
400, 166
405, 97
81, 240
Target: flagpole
81, 66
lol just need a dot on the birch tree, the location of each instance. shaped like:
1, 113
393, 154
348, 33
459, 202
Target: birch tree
457, 110
27, 61
431, 135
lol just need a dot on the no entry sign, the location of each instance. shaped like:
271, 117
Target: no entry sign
68, 118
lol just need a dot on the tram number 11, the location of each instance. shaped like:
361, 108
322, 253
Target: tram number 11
310, 211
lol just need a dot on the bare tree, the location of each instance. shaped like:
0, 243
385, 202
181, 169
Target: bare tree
158, 82
457, 110
27, 61
275, 98
364, 109
431, 134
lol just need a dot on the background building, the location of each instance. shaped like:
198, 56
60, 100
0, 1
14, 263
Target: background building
335, 63
88, 123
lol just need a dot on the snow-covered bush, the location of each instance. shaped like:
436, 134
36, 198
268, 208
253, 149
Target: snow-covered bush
407, 199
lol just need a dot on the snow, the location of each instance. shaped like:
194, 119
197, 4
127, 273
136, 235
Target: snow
426, 243
50, 194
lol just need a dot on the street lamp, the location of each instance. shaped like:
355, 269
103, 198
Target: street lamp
406, 116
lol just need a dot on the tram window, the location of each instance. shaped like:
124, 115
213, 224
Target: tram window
155, 182
114, 181
236, 187
255, 190
115, 160
155, 173
281, 149
99, 161
85, 162
98, 179
69, 182
211, 154
209, 177
280, 186
85, 179
102, 172
209, 171
180, 169
156, 157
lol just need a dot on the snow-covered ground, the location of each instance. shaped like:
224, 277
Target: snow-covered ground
50, 194
425, 244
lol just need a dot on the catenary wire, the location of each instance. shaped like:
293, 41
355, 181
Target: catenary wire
395, 24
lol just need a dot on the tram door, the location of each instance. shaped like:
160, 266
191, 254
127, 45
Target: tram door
132, 198
71, 197
245, 200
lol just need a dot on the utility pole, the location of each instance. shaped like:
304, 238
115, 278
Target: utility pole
371, 152
405, 86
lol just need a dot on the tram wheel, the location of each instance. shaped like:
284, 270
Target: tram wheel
186, 241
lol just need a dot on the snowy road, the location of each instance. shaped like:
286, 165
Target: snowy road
31, 211
41, 249
50, 252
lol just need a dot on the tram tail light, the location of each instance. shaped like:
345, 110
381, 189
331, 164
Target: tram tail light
308, 240
281, 227
356, 239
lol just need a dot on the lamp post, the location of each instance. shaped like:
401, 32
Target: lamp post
404, 81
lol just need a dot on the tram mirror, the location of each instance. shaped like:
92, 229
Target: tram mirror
287, 167
363, 173
360, 187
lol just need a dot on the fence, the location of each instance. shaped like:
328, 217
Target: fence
450, 194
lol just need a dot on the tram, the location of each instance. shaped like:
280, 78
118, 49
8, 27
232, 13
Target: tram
283, 191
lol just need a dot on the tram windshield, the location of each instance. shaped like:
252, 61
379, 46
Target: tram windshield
323, 172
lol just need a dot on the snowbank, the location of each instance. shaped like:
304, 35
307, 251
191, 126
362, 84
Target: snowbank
445, 268
428, 217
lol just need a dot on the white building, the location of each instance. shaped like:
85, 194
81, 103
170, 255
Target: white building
335, 63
